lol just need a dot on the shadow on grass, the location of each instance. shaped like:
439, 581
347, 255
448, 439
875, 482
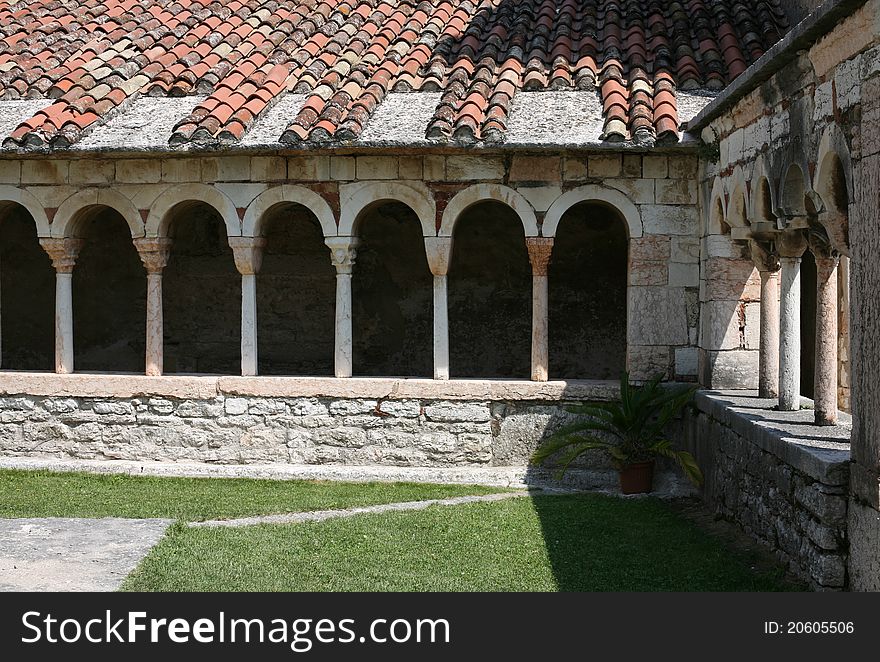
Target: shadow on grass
604, 543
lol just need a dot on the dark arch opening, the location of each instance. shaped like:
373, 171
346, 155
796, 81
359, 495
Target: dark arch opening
587, 284
27, 294
201, 295
296, 295
490, 295
392, 312
109, 296
808, 323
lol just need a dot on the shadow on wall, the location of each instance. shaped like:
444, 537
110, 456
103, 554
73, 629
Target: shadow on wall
392, 290
201, 296
27, 283
587, 295
296, 291
109, 297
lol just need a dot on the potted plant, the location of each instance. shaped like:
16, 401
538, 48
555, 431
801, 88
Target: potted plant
632, 433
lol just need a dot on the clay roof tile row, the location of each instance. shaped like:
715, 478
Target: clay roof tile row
94, 57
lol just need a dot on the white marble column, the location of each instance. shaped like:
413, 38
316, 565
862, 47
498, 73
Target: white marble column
825, 375
154, 253
540, 249
343, 251
791, 248
248, 252
63, 253
767, 264
439, 251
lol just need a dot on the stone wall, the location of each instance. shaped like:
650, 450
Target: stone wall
782, 481
411, 423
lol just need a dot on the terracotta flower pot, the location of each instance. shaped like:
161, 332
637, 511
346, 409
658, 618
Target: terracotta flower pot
637, 478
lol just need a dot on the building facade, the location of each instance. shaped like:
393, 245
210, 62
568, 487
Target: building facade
408, 234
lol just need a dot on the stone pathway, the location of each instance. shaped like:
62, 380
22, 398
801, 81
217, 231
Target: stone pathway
321, 515
65, 554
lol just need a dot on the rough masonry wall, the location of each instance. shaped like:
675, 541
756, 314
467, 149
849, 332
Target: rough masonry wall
588, 279
864, 510
490, 296
234, 429
201, 296
392, 296
296, 294
796, 506
109, 297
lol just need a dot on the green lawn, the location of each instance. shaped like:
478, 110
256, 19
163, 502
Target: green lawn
544, 543
45, 494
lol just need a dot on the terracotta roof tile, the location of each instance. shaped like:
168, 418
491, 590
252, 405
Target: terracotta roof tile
92, 58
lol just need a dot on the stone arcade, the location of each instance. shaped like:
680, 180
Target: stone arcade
407, 234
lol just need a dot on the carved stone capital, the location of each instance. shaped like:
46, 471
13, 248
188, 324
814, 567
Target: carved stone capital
154, 252
63, 252
791, 244
821, 246
248, 254
343, 252
439, 251
764, 256
540, 249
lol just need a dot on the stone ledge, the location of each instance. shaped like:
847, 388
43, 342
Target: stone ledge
666, 484
206, 387
821, 453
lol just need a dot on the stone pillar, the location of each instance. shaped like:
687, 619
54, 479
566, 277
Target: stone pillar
248, 253
63, 253
791, 247
768, 360
825, 380
343, 251
439, 251
154, 253
843, 333
540, 249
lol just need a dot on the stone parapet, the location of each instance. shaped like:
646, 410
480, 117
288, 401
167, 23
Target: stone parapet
782, 479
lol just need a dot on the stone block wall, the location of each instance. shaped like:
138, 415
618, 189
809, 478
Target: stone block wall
777, 481
241, 421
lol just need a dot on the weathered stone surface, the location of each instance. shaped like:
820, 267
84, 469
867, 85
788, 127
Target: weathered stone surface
463, 168
670, 219
535, 169
647, 328
755, 485
453, 411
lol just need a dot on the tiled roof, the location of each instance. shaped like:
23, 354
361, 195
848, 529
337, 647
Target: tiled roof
341, 58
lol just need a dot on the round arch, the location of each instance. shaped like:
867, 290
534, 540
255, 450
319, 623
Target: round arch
355, 198
255, 214
592, 193
159, 218
30, 203
69, 210
717, 216
832, 182
762, 200
483, 192
737, 200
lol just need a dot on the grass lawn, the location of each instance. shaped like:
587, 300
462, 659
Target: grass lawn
46, 494
545, 543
